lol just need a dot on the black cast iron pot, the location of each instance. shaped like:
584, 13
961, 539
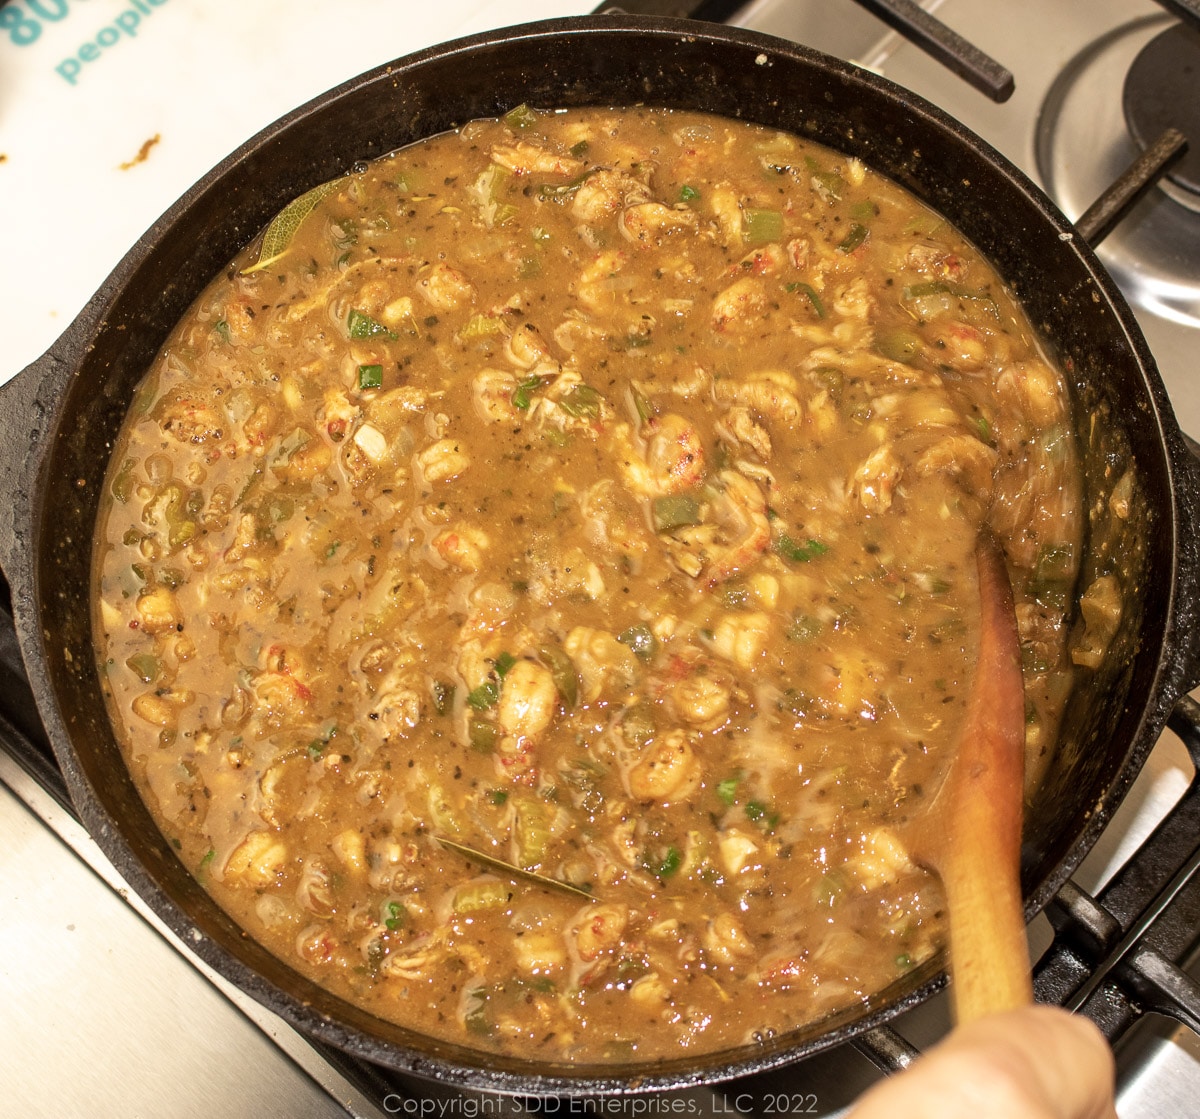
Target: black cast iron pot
59, 418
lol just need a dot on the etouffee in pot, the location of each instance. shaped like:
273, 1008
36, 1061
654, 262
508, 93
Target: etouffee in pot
535, 589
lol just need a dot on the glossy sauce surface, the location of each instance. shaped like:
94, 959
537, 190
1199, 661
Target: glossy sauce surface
597, 492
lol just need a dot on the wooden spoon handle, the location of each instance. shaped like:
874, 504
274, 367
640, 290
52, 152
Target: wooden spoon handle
980, 861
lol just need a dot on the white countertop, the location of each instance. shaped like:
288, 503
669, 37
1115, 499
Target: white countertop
82, 94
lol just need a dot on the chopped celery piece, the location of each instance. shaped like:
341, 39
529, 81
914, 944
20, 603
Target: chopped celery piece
145, 666
565, 190
675, 511
899, 345
521, 117
854, 238
361, 325
483, 735
520, 398
637, 724
762, 226
829, 185
485, 893
531, 830
480, 326
641, 640
582, 402
563, 672
810, 294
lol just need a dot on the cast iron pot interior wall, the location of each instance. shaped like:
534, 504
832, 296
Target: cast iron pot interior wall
76, 397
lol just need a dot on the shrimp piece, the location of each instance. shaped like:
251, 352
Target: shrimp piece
875, 481
964, 457
823, 416
668, 771
446, 288
314, 891
600, 658
702, 701
397, 712
575, 331
492, 394
650, 992
960, 346
738, 426
399, 314
725, 940
771, 393
855, 301
258, 860
462, 548
596, 930
527, 348
787, 973
675, 455
528, 700
603, 193
350, 847
425, 954
443, 460
798, 251
306, 462
339, 413
723, 201
190, 420
260, 425
737, 306
881, 860
765, 260
934, 261
1036, 389
614, 520
591, 287
741, 638
281, 697
737, 849
158, 610
161, 707
648, 223
741, 510
524, 158
539, 951
239, 317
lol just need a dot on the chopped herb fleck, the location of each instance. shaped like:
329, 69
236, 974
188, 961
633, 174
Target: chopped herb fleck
786, 547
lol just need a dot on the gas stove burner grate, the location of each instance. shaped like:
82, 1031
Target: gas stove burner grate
1160, 93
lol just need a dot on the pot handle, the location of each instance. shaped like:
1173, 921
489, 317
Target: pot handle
27, 404
1189, 610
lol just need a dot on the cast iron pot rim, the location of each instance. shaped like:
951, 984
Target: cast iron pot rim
593, 1079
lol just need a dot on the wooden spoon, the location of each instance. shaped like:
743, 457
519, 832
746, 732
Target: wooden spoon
973, 839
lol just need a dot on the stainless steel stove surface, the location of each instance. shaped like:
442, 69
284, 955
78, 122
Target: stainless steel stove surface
107, 1015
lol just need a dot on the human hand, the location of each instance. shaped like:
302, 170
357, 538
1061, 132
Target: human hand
1038, 1062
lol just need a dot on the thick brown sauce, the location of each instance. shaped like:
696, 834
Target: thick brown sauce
597, 490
